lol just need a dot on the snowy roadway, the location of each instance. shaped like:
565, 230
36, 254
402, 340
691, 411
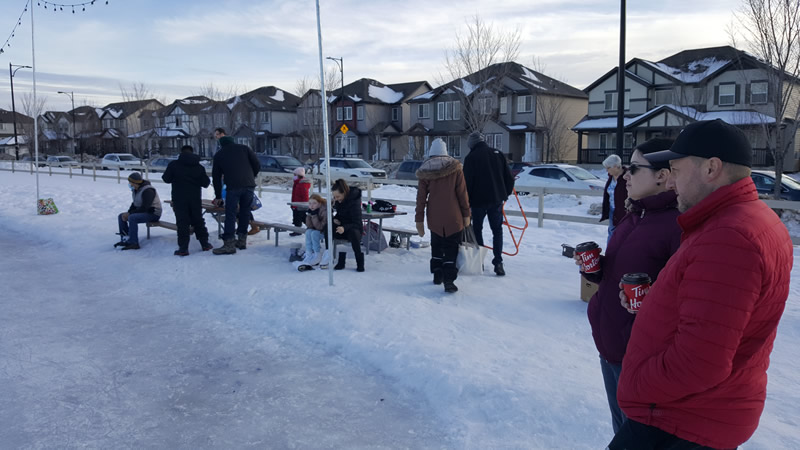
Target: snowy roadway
90, 362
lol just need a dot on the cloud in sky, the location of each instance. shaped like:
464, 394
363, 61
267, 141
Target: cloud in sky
176, 47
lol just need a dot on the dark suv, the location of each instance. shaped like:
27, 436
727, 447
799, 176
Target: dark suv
278, 163
408, 170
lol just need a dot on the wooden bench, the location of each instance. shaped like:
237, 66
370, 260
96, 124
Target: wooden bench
402, 233
279, 228
163, 224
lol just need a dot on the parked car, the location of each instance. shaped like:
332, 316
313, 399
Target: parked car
349, 167
557, 176
29, 159
123, 161
279, 163
765, 184
62, 161
516, 167
160, 164
408, 170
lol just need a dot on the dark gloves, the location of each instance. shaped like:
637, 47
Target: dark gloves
312, 212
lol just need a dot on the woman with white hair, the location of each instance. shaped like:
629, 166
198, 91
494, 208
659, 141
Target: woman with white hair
614, 194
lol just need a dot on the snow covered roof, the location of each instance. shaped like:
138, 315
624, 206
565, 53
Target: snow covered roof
691, 114
278, 97
162, 132
385, 94
426, 96
692, 72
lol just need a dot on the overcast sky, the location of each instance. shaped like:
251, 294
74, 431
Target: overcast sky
177, 46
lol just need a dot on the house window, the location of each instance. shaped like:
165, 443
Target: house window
603, 140
453, 145
395, 114
610, 103
664, 97
448, 110
485, 105
503, 105
339, 114
360, 113
177, 121
727, 95
494, 141
348, 113
265, 117
525, 104
274, 143
698, 96
628, 140
424, 111
758, 92
346, 145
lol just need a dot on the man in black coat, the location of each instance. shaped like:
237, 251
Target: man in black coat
188, 178
238, 165
489, 183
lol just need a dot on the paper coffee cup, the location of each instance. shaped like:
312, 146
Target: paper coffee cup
589, 252
636, 287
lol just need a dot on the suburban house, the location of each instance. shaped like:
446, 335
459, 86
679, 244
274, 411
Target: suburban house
377, 118
24, 124
521, 112
662, 97
166, 130
123, 119
55, 133
265, 119
308, 129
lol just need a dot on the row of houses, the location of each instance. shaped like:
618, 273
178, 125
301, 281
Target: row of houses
524, 113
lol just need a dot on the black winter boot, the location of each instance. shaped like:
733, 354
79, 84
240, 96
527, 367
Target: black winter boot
360, 262
241, 242
340, 262
228, 248
450, 287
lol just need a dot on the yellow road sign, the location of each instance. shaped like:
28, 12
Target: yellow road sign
344, 128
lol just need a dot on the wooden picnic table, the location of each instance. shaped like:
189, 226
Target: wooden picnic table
217, 212
368, 217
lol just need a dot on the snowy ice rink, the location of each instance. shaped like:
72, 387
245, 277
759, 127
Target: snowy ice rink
107, 349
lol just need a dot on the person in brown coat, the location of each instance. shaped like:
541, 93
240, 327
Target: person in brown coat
443, 191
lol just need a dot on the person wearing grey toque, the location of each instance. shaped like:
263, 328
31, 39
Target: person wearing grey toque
489, 183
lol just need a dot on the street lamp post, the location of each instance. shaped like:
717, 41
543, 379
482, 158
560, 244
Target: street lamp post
11, 74
74, 126
340, 63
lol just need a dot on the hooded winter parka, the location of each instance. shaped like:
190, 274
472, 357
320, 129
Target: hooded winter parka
443, 192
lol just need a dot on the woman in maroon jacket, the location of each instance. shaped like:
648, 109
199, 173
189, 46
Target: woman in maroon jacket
643, 241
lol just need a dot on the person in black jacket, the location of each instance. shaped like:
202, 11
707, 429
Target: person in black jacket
188, 178
489, 183
238, 165
347, 221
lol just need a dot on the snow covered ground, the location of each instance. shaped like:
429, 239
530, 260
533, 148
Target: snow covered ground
102, 348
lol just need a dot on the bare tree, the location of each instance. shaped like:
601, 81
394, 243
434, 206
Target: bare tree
309, 117
771, 28
218, 93
475, 64
139, 91
32, 109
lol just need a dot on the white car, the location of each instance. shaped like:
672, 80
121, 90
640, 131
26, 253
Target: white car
348, 168
62, 161
557, 176
123, 161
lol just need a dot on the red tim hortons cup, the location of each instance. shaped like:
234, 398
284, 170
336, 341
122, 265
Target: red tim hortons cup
636, 287
589, 252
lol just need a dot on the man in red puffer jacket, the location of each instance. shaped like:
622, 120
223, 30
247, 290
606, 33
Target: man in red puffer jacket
694, 374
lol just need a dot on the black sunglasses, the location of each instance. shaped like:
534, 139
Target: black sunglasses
633, 168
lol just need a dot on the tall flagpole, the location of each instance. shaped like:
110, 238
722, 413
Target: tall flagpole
35, 108
327, 150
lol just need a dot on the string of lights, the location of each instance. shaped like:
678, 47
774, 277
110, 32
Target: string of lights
14, 30
60, 6
55, 7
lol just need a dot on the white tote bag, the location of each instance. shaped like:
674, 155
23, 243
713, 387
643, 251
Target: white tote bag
470, 254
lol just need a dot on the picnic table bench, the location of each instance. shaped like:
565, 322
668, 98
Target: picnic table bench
402, 233
164, 224
278, 228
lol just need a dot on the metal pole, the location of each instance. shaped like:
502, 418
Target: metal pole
340, 63
13, 105
74, 138
621, 82
36, 113
327, 147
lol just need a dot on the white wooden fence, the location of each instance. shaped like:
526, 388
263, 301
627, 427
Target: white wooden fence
93, 171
